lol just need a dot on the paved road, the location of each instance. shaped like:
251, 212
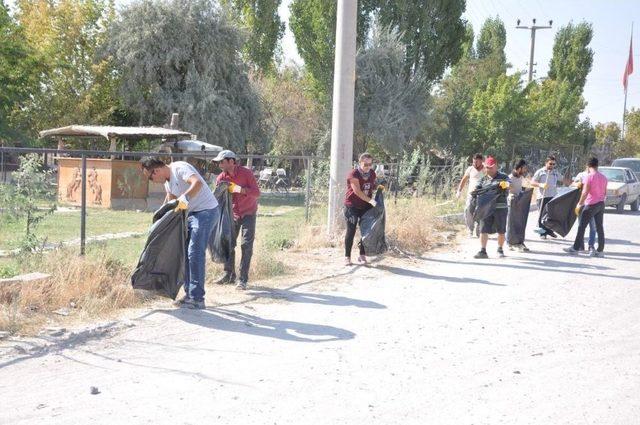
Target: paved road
541, 338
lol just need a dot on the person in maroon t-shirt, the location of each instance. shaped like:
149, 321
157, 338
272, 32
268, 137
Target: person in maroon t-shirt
361, 183
245, 194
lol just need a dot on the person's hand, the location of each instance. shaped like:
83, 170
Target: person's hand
458, 194
373, 202
577, 210
544, 186
504, 185
183, 204
380, 187
234, 188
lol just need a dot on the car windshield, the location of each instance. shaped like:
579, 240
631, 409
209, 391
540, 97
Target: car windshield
613, 175
634, 164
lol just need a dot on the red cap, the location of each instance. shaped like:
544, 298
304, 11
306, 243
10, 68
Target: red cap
490, 161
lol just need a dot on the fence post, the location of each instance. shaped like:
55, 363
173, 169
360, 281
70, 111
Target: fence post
307, 198
83, 207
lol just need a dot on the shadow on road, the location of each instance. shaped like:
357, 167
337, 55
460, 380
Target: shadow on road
418, 274
311, 298
234, 321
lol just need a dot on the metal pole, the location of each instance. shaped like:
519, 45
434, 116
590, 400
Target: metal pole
624, 115
83, 207
307, 198
343, 103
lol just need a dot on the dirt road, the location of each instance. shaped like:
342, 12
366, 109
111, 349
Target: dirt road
539, 338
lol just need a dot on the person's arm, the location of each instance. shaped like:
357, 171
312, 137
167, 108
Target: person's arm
251, 188
585, 192
463, 182
195, 184
355, 186
169, 197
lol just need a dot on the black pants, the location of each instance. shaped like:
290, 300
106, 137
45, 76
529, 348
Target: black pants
246, 227
353, 216
542, 204
595, 211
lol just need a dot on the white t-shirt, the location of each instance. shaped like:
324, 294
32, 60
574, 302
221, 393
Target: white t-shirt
178, 184
474, 177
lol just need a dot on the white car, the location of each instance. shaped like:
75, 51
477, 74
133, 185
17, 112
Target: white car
623, 188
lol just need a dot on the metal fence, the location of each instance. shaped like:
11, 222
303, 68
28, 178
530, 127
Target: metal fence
279, 177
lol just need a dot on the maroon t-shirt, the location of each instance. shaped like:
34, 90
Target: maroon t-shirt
367, 186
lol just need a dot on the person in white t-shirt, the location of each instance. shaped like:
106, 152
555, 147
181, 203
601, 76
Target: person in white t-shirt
471, 177
183, 182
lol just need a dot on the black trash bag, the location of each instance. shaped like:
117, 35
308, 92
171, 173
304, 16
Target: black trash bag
518, 215
485, 201
221, 241
161, 264
559, 214
372, 227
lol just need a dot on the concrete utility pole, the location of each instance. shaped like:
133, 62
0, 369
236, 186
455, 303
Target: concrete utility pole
533, 28
344, 79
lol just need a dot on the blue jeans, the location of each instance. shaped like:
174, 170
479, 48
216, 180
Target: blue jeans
200, 224
592, 232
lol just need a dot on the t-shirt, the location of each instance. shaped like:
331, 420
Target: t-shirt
515, 184
580, 177
551, 178
474, 177
597, 188
367, 186
178, 184
501, 202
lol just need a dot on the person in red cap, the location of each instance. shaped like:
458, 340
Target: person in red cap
497, 221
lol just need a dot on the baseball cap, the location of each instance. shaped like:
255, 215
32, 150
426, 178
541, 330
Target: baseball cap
490, 161
225, 154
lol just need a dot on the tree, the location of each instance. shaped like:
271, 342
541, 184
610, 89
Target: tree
183, 56
19, 70
292, 118
32, 187
390, 108
77, 86
607, 138
498, 115
572, 58
491, 43
630, 146
260, 20
432, 33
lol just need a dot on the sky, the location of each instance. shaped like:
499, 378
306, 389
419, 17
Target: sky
611, 22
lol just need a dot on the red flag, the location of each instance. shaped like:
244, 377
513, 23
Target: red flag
628, 70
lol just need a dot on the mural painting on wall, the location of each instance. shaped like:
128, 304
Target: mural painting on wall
92, 181
94, 185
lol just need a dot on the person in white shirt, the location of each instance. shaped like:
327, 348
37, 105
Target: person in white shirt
183, 183
472, 176
546, 179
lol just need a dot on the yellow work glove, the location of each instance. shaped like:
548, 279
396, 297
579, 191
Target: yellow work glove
544, 186
504, 185
234, 188
183, 204
380, 187
577, 210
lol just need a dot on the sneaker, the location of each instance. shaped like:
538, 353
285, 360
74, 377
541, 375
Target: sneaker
482, 254
194, 305
598, 254
347, 261
362, 259
544, 237
571, 250
181, 301
227, 278
513, 247
523, 248
241, 285
501, 253
552, 234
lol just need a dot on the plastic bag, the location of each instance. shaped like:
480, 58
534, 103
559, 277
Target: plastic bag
372, 225
559, 214
161, 264
485, 201
221, 241
518, 214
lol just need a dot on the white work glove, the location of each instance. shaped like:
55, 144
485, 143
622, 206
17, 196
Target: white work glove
183, 204
373, 202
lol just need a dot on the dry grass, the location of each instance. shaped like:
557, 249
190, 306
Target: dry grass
412, 225
87, 286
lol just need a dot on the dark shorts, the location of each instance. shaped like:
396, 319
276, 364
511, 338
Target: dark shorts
496, 222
